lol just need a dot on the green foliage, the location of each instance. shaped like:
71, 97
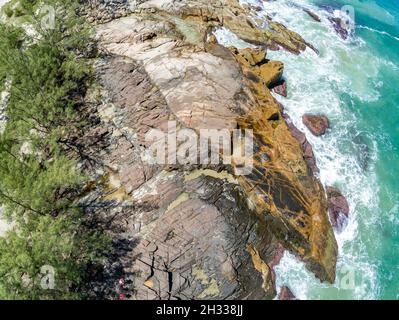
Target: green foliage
48, 73
46, 241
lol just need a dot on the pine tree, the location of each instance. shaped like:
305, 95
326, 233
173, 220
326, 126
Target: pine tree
48, 73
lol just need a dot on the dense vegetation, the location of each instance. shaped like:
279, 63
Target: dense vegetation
45, 71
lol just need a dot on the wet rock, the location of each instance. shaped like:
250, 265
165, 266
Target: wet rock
286, 294
271, 72
267, 120
200, 231
280, 88
313, 15
313, 48
338, 208
307, 148
362, 151
317, 124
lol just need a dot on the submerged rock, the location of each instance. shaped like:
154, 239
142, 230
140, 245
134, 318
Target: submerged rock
338, 208
317, 124
307, 148
202, 231
313, 15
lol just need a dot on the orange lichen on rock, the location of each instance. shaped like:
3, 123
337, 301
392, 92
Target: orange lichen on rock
281, 186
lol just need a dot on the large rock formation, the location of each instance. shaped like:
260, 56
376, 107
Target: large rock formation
317, 124
201, 231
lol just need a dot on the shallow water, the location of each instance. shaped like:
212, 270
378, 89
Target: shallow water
355, 83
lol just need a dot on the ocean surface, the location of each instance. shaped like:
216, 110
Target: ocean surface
355, 82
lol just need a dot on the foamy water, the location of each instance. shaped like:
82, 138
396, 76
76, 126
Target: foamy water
343, 72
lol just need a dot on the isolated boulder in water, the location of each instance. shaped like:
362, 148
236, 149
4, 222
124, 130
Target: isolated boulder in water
286, 294
338, 208
317, 124
271, 72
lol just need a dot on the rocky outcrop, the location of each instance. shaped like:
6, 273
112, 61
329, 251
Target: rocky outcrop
317, 124
338, 208
288, 169
182, 232
286, 294
271, 72
200, 231
102, 11
202, 15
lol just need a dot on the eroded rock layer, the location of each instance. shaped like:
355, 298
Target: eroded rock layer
199, 231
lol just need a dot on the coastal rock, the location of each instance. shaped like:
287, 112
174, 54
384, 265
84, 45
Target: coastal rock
283, 153
271, 72
286, 294
187, 232
317, 124
223, 13
338, 208
278, 255
101, 11
339, 27
201, 231
280, 88
313, 15
254, 56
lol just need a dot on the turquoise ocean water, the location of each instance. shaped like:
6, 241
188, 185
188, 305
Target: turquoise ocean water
356, 83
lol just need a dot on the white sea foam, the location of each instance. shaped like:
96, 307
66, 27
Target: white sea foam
344, 71
226, 37
384, 33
